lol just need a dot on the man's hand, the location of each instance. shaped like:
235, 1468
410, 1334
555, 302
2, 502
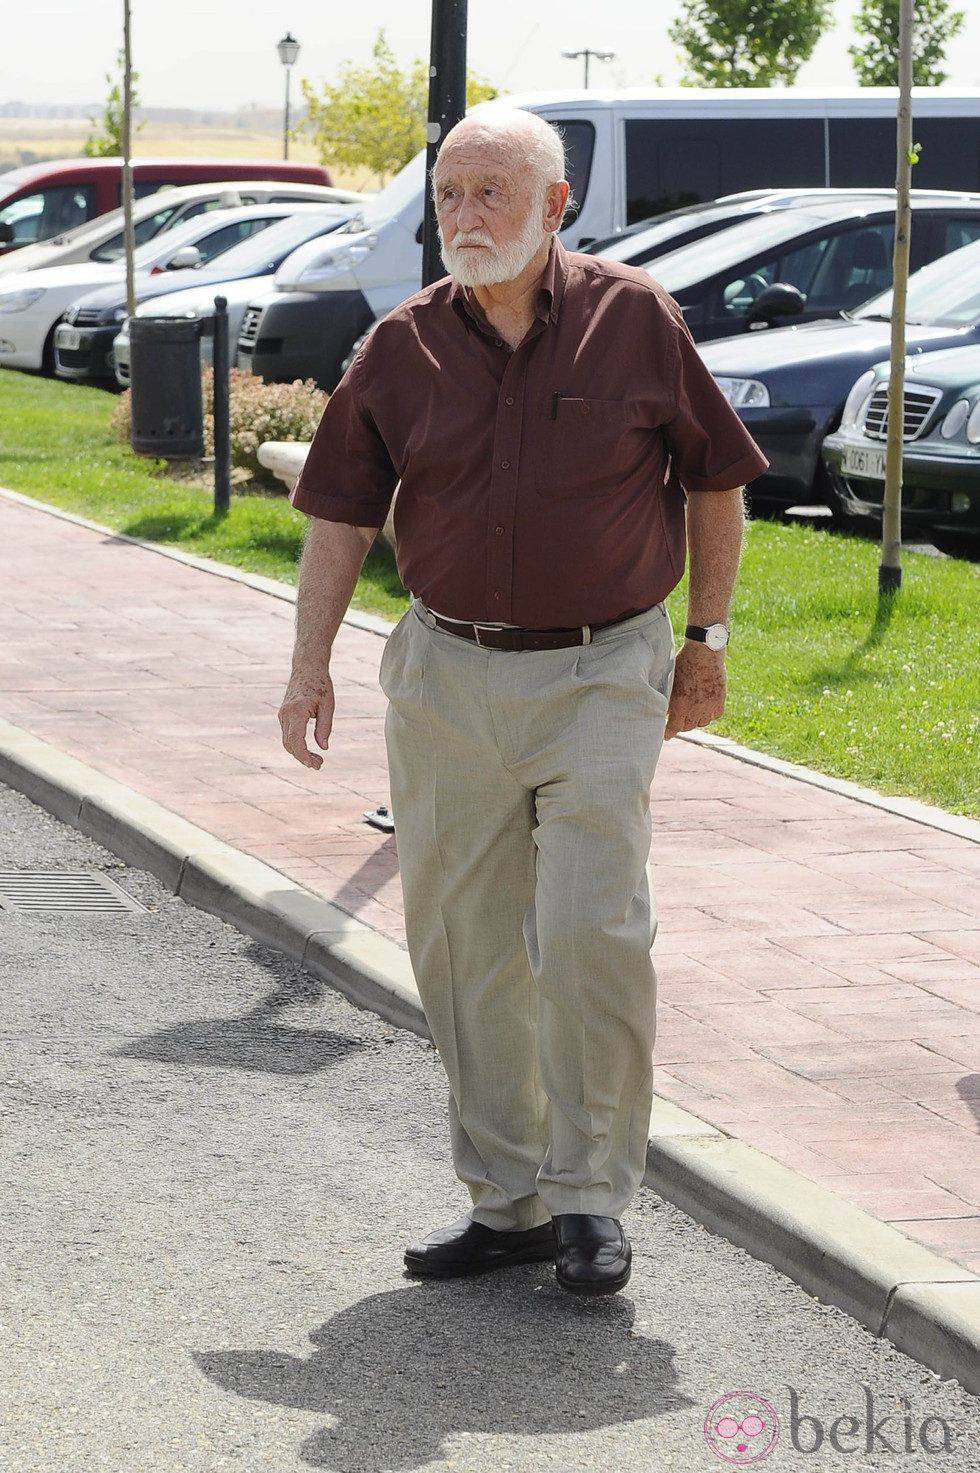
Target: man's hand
698, 693
305, 702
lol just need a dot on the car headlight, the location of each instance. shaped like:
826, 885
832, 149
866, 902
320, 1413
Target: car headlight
744, 393
119, 315
20, 301
856, 401
334, 263
973, 425
955, 419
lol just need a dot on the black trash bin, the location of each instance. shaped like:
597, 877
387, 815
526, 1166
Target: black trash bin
167, 411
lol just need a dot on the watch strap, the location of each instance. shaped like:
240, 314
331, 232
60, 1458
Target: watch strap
699, 633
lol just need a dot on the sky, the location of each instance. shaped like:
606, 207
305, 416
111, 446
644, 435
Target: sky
223, 56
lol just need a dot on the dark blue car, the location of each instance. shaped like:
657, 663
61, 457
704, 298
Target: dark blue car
789, 387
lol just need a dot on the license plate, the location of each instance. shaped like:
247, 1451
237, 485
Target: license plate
868, 463
68, 338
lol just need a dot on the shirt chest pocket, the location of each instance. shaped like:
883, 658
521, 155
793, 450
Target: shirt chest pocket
585, 447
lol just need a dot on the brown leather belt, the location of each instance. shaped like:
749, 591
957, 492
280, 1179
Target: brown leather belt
490, 638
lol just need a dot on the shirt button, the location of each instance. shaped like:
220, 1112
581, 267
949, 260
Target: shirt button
499, 531
505, 465
509, 399
496, 595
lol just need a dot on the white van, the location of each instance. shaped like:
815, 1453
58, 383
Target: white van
630, 155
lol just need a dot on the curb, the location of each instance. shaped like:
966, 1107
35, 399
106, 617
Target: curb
910, 808
371, 971
927, 1306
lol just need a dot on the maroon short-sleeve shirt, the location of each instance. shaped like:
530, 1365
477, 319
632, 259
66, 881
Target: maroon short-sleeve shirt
540, 487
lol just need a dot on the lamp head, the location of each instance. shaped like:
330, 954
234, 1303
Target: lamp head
288, 49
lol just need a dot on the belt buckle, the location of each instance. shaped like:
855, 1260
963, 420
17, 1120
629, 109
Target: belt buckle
476, 636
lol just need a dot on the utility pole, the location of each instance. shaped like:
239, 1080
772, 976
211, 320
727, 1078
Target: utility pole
127, 169
890, 568
447, 105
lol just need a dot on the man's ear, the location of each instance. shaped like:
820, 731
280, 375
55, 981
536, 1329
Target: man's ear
555, 200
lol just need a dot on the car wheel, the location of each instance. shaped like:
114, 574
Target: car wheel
956, 544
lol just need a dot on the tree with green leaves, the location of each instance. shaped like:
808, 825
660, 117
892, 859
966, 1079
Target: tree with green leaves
108, 143
747, 43
374, 117
875, 56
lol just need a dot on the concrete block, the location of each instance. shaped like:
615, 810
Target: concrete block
373, 972
144, 833
56, 782
835, 1251
669, 1119
259, 900
939, 1324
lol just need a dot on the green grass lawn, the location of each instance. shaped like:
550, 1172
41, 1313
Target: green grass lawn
887, 695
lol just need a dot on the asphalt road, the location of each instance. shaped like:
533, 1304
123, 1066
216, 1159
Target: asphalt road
209, 1167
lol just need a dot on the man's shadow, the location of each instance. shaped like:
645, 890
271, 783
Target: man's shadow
257, 1041
401, 1374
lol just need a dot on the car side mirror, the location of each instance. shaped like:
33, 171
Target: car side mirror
773, 302
6, 233
186, 258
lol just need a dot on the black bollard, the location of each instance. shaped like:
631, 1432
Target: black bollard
222, 432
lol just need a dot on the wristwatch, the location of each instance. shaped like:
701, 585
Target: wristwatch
715, 636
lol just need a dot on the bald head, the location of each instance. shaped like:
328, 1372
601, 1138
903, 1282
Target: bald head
521, 141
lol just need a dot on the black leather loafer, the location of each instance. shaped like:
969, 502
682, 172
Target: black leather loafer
592, 1254
467, 1247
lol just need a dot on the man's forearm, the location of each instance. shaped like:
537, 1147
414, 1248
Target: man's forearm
714, 541
331, 564
715, 521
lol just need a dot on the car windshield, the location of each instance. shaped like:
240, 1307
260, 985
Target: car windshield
407, 184
261, 254
947, 290
727, 248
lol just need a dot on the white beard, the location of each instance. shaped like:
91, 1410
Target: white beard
495, 263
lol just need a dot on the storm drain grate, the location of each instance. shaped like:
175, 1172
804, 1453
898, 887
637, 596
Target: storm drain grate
74, 891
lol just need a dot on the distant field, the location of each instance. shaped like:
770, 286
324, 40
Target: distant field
65, 138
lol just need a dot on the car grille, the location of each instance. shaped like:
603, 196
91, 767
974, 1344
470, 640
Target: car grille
250, 327
917, 407
87, 316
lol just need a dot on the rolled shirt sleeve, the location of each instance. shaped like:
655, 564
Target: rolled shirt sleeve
710, 448
348, 475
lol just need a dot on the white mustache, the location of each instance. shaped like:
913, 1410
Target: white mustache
472, 237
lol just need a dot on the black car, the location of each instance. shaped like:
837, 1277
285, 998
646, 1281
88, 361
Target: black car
806, 263
940, 456
789, 387
97, 315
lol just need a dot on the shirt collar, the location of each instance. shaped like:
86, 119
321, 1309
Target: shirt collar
549, 297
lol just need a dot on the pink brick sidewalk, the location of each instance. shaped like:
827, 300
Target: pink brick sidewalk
819, 959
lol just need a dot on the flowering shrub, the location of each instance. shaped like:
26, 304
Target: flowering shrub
257, 412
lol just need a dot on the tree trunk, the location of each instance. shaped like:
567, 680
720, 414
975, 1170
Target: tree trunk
890, 569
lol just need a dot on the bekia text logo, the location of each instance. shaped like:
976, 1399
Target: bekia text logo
741, 1427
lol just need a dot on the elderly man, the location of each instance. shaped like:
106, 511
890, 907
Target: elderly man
544, 414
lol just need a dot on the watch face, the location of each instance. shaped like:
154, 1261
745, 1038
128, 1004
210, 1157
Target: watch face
716, 636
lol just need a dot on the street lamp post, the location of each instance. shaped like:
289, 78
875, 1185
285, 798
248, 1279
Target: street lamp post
587, 52
288, 49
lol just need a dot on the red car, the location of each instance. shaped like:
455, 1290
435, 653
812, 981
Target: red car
42, 200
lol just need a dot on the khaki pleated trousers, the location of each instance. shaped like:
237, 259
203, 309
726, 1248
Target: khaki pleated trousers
520, 787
